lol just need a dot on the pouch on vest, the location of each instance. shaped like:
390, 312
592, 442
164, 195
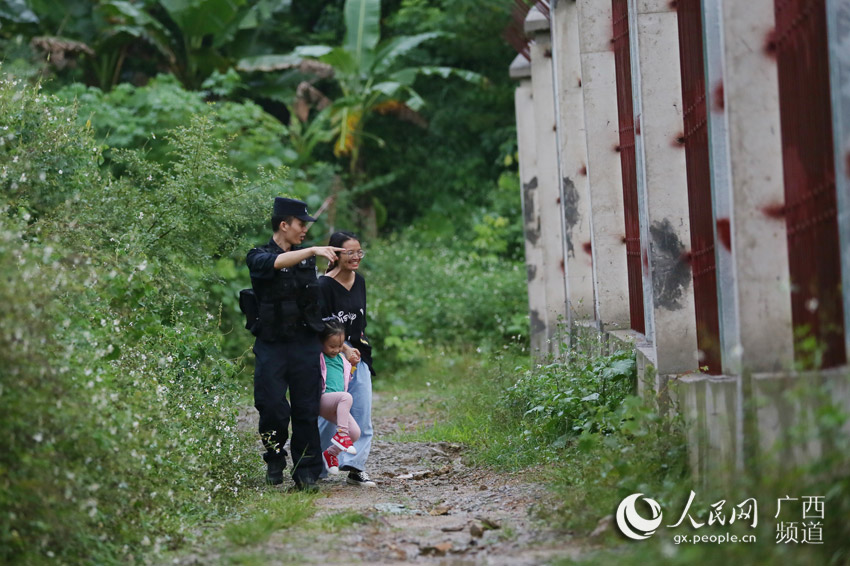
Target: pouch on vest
279, 320
249, 307
308, 294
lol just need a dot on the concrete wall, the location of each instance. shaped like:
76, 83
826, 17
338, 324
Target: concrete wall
762, 415
659, 125
532, 224
605, 180
548, 184
763, 424
760, 337
572, 160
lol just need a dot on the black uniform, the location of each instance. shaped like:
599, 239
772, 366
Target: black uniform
287, 357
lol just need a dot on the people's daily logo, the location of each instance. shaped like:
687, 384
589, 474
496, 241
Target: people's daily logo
632, 524
799, 520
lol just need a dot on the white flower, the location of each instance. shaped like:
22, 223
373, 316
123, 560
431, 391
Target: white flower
38, 437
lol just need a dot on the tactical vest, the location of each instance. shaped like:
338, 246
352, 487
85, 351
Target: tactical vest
289, 303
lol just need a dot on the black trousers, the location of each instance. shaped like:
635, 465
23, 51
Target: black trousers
292, 365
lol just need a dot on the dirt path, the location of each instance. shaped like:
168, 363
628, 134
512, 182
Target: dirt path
429, 508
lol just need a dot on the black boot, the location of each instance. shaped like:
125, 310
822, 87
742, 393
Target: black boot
306, 483
274, 472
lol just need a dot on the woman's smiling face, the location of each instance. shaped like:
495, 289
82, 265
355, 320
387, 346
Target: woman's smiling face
349, 260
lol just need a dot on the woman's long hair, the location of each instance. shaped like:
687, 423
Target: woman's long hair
337, 239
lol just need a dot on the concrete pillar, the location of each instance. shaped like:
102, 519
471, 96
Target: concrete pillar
659, 125
753, 273
572, 160
838, 22
604, 175
643, 217
548, 186
526, 141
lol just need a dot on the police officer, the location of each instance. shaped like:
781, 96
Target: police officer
283, 277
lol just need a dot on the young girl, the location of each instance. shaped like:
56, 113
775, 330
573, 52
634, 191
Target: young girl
335, 405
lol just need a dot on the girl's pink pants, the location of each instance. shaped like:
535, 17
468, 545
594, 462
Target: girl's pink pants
336, 408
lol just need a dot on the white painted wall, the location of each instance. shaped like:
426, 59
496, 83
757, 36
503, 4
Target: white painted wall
604, 175
524, 105
551, 211
572, 160
763, 335
658, 119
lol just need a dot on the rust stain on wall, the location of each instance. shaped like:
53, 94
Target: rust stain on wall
718, 98
724, 233
775, 211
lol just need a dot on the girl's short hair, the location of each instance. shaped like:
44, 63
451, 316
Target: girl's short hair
332, 328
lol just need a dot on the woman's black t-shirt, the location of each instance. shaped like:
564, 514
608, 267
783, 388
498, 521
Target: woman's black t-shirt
349, 307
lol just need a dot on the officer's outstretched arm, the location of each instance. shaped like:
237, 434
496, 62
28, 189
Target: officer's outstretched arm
288, 259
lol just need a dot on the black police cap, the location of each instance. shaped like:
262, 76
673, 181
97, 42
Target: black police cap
291, 207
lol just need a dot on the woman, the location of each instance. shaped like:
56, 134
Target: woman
344, 298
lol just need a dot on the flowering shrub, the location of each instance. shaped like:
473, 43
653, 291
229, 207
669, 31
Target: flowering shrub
117, 406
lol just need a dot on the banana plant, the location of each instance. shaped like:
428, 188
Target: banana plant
372, 79
124, 23
370, 74
203, 28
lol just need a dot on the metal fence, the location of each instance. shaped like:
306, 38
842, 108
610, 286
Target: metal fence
622, 55
800, 47
695, 140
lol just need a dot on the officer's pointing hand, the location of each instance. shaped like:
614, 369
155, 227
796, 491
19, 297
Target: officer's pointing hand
328, 252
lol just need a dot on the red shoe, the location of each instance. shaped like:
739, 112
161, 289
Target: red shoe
343, 442
331, 463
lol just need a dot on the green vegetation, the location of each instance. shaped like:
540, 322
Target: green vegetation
269, 514
340, 522
434, 293
116, 402
138, 159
